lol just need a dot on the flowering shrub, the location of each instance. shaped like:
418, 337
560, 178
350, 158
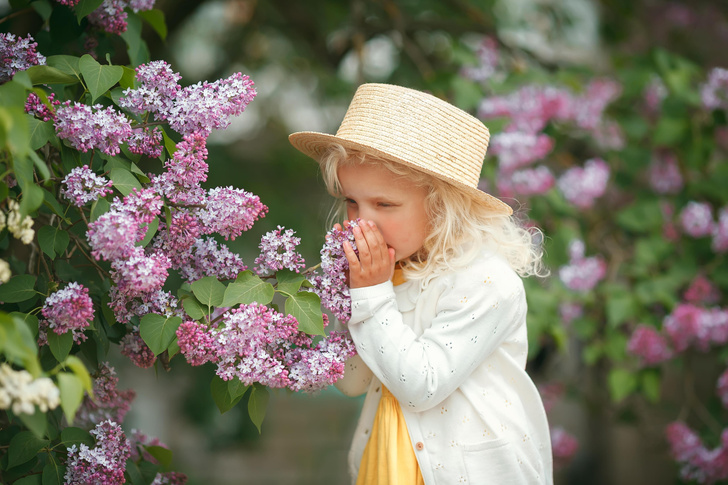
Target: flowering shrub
92, 241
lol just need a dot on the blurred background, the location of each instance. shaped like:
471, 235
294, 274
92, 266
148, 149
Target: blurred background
306, 59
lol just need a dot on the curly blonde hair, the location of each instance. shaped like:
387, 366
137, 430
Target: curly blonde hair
458, 226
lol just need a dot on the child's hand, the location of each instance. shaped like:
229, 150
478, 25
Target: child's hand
375, 263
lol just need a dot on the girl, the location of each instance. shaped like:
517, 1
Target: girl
438, 309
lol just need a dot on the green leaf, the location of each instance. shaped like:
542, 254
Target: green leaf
24, 446
75, 436
53, 474
127, 79
169, 143
246, 289
99, 208
50, 201
151, 231
124, 180
305, 306
36, 422
85, 7
209, 291
162, 454
19, 345
79, 369
158, 331
66, 64
651, 385
31, 479
620, 308
257, 404
71, 389
18, 288
155, 18
642, 216
193, 308
52, 240
49, 75
99, 79
622, 383
60, 345
32, 199
227, 394
289, 282
41, 132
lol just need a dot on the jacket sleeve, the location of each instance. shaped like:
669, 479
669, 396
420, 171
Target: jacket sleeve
477, 309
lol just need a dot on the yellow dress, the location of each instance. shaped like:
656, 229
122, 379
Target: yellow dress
389, 458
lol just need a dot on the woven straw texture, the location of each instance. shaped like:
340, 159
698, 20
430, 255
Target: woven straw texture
415, 129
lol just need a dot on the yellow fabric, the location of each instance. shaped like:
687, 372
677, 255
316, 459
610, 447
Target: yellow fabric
389, 458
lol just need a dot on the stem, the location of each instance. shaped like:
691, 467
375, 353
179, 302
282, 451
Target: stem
102, 272
311, 269
16, 14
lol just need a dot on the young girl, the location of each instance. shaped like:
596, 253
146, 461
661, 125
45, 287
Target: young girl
438, 309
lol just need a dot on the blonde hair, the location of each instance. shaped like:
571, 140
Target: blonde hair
458, 226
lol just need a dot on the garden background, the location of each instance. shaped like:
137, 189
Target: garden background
608, 122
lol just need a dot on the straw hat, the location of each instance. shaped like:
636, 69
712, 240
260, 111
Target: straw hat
413, 128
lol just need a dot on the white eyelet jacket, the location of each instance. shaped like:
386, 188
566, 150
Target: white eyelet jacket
454, 356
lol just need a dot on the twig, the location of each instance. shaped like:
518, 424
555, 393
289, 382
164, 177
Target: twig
16, 14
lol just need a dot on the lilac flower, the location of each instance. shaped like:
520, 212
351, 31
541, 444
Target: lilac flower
517, 149
563, 445
664, 174
104, 463
697, 462
157, 87
139, 274
69, 3
208, 258
141, 5
696, 219
720, 232
180, 182
17, 54
588, 110
202, 107
608, 135
569, 312
177, 239
196, 343
82, 186
169, 478
110, 17
125, 307
146, 141
69, 309
315, 369
582, 274
108, 402
649, 345
714, 93
529, 181
690, 325
144, 205
231, 211
488, 61
581, 186
278, 251
654, 93
530, 108
133, 346
113, 235
92, 127
702, 290
35, 107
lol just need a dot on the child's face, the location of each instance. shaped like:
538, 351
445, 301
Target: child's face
393, 202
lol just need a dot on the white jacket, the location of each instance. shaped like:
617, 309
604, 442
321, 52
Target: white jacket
454, 356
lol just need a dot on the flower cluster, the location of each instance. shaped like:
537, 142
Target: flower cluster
664, 174
21, 393
529, 181
111, 16
488, 61
230, 211
649, 345
517, 149
134, 347
108, 402
146, 141
34, 106
82, 186
696, 220
331, 284
582, 273
66, 310
92, 127
714, 93
254, 343
581, 186
20, 227
563, 445
17, 54
697, 462
278, 251
104, 463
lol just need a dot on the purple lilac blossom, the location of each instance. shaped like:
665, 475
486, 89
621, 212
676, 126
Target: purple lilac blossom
697, 462
157, 87
230, 211
581, 186
82, 186
582, 274
488, 61
649, 345
69, 3
563, 445
278, 251
570, 311
177, 239
529, 181
139, 274
37, 108
517, 149
664, 174
208, 258
112, 18
146, 141
108, 402
720, 232
530, 107
702, 290
714, 93
314, 369
126, 307
17, 54
180, 182
696, 219
69, 309
589, 107
92, 127
689, 325
145, 205
113, 235
133, 346
104, 463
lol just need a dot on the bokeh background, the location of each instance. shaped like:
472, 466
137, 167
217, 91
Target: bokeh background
306, 59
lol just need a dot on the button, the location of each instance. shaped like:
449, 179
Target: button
420, 446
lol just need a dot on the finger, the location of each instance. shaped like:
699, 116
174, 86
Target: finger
391, 262
337, 226
378, 240
351, 257
362, 246
375, 241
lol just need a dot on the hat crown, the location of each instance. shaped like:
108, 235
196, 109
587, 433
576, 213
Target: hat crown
418, 128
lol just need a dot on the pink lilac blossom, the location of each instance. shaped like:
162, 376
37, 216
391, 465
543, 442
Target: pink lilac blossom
113, 235
208, 258
608, 135
180, 182
146, 141
133, 346
551, 393
702, 290
570, 311
722, 388
69, 309
582, 274
530, 107
589, 108
145, 205
169, 478
692, 326
105, 463
139, 274
664, 174
177, 240
581, 186
69, 3
564, 446
17, 54
669, 229
527, 182
202, 107
37, 108
517, 149
314, 369
488, 61
110, 17
278, 251
720, 232
82, 186
126, 307
157, 87
714, 93
92, 127
107, 403
649, 345
696, 219
230, 211
141, 5
697, 462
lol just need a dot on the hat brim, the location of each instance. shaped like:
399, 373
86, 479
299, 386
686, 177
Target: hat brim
316, 144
